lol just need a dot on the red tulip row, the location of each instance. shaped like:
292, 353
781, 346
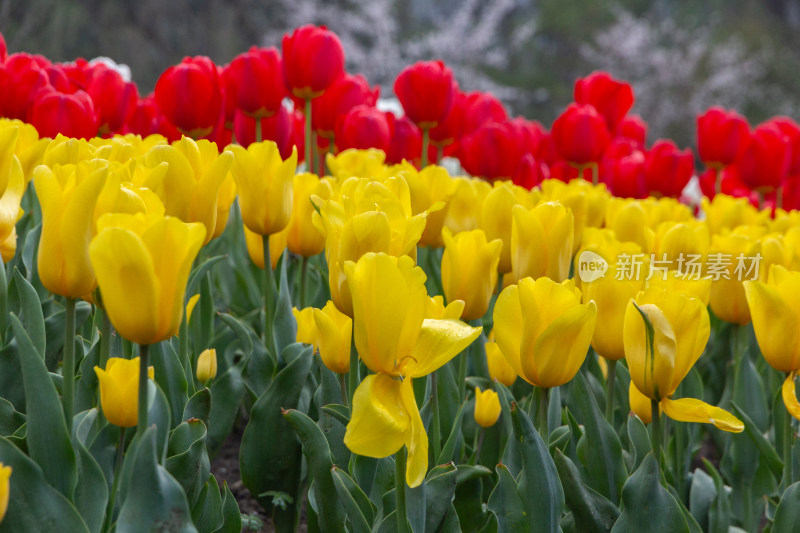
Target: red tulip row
594, 137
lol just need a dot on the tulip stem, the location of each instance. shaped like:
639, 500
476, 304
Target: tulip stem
68, 387
437, 423
400, 490
718, 181
462, 373
309, 157
269, 299
656, 436
343, 388
612, 375
258, 130
115, 485
787, 449
303, 269
354, 377
595, 173
141, 407
426, 136
105, 337
544, 401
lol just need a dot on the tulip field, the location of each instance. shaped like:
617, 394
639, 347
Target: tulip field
436, 320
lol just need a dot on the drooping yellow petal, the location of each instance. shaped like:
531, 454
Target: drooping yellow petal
640, 404
438, 342
790, 395
694, 410
416, 439
651, 361
379, 419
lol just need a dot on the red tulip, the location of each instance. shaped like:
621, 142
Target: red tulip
189, 95
313, 59
731, 184
580, 134
764, 163
363, 127
72, 115
530, 133
114, 99
667, 169
791, 131
450, 130
253, 80
633, 127
625, 177
406, 141
480, 108
791, 193
21, 78
492, 151
721, 136
425, 89
529, 172
3, 49
612, 98
346, 93
277, 128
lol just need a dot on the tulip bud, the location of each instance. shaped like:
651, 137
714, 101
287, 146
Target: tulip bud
425, 89
207, 365
487, 407
189, 95
119, 389
469, 270
581, 134
334, 333
541, 241
612, 98
313, 59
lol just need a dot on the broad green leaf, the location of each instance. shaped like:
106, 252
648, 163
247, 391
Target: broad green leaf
787, 515
766, 452
207, 511
227, 392
359, 510
591, 511
187, 458
170, 376
230, 512
440, 490
639, 439
10, 419
448, 452
91, 493
199, 406
701, 496
284, 327
506, 504
32, 316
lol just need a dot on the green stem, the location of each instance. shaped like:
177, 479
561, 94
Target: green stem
499, 283
309, 156
183, 351
477, 444
343, 388
595, 173
677, 475
718, 181
612, 374
430, 258
144, 358
656, 436
303, 268
788, 440
259, 135
437, 423
115, 485
544, 401
400, 490
462, 373
105, 338
68, 387
426, 136
269, 298
354, 377
439, 154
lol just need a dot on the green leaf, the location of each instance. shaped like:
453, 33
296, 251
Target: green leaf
719, 517
154, 501
199, 272
646, 506
32, 316
766, 452
10, 419
701, 496
275, 467
320, 463
227, 391
55, 327
207, 511
440, 490
357, 506
338, 411
91, 493
539, 486
329, 392
639, 438
599, 448
284, 326
170, 376
506, 504
199, 406
230, 512
187, 458
448, 452
787, 515
33, 504
591, 511
47, 438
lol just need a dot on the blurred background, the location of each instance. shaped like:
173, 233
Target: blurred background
681, 56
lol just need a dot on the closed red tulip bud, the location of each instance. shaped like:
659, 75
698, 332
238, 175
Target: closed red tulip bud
253, 81
450, 130
114, 99
580, 134
480, 108
633, 127
612, 98
58, 80
346, 93
667, 169
277, 128
492, 151
313, 59
363, 127
764, 163
72, 115
20, 80
791, 131
406, 141
189, 95
624, 176
529, 134
425, 89
721, 136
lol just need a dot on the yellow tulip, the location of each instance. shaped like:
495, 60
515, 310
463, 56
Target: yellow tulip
306, 326
12, 180
727, 212
675, 242
682, 282
487, 407
437, 309
586, 201
541, 241
496, 216
119, 388
206, 365
5, 489
628, 220
255, 247
264, 182
358, 163
543, 330
464, 208
665, 209
68, 195
665, 332
727, 298
430, 187
499, 369
142, 266
612, 291
334, 334
190, 304
469, 270
67, 151
302, 237
395, 339
29, 148
225, 198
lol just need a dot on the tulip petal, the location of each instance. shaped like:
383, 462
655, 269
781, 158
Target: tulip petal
561, 349
790, 395
640, 404
508, 327
438, 342
694, 410
651, 360
775, 324
380, 420
416, 438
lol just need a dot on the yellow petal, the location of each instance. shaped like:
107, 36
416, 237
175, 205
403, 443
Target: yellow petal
775, 324
651, 361
487, 407
416, 439
508, 326
640, 404
5, 489
499, 369
561, 348
693, 410
790, 395
335, 331
190, 306
379, 420
438, 342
